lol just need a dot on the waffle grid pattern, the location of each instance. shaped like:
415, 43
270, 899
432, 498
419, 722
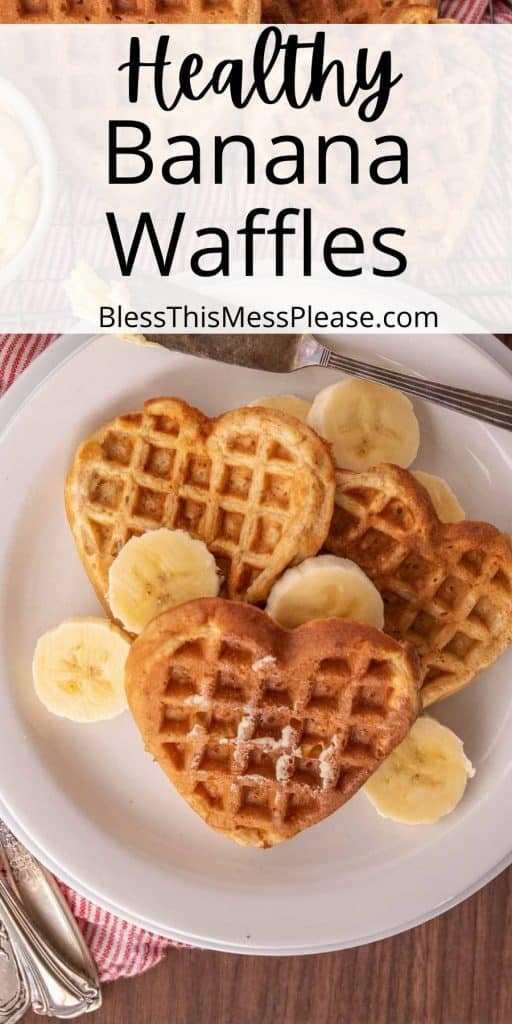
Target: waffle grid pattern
449, 598
129, 11
150, 472
288, 11
259, 754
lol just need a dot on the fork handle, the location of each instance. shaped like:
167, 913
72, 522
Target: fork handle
489, 408
62, 991
14, 986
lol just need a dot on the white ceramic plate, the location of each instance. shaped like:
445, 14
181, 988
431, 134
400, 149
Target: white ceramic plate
92, 805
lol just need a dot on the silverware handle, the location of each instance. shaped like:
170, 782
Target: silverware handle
488, 408
44, 904
63, 991
14, 988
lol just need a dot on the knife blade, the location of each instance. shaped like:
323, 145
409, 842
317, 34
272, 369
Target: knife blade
270, 352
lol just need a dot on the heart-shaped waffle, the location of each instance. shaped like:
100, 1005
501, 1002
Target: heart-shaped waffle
447, 588
256, 485
264, 730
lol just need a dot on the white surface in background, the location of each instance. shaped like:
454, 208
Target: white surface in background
455, 208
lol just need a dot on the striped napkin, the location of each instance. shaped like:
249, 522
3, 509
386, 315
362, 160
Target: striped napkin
474, 11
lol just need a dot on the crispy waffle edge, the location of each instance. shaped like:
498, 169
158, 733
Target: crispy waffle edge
427, 524
313, 533
292, 648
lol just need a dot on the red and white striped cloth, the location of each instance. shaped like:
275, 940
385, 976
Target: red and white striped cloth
120, 950
16, 352
472, 12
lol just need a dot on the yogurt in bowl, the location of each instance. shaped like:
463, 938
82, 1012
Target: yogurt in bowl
27, 180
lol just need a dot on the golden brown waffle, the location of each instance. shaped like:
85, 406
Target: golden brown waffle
348, 12
256, 485
263, 730
129, 11
412, 14
447, 588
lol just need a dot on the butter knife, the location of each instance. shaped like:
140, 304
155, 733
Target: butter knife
286, 353
71, 985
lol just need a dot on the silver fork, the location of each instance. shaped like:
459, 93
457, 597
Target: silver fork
284, 353
53, 958
56, 987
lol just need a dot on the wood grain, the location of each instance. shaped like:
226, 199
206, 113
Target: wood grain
456, 969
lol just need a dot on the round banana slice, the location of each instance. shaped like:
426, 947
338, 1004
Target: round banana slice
290, 404
157, 571
366, 424
445, 502
424, 778
78, 669
325, 587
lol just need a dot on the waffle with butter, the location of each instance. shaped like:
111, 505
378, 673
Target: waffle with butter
256, 485
266, 731
447, 587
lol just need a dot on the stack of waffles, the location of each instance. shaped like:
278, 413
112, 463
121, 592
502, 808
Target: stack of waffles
266, 730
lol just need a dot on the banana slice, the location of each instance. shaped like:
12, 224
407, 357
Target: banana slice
78, 669
445, 502
322, 588
157, 571
290, 404
366, 423
424, 778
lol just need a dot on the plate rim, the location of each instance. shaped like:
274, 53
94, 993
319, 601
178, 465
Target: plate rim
235, 948
11, 404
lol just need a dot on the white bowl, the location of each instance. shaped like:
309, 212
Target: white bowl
16, 104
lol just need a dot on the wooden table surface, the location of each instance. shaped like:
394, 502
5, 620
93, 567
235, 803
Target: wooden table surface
456, 969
